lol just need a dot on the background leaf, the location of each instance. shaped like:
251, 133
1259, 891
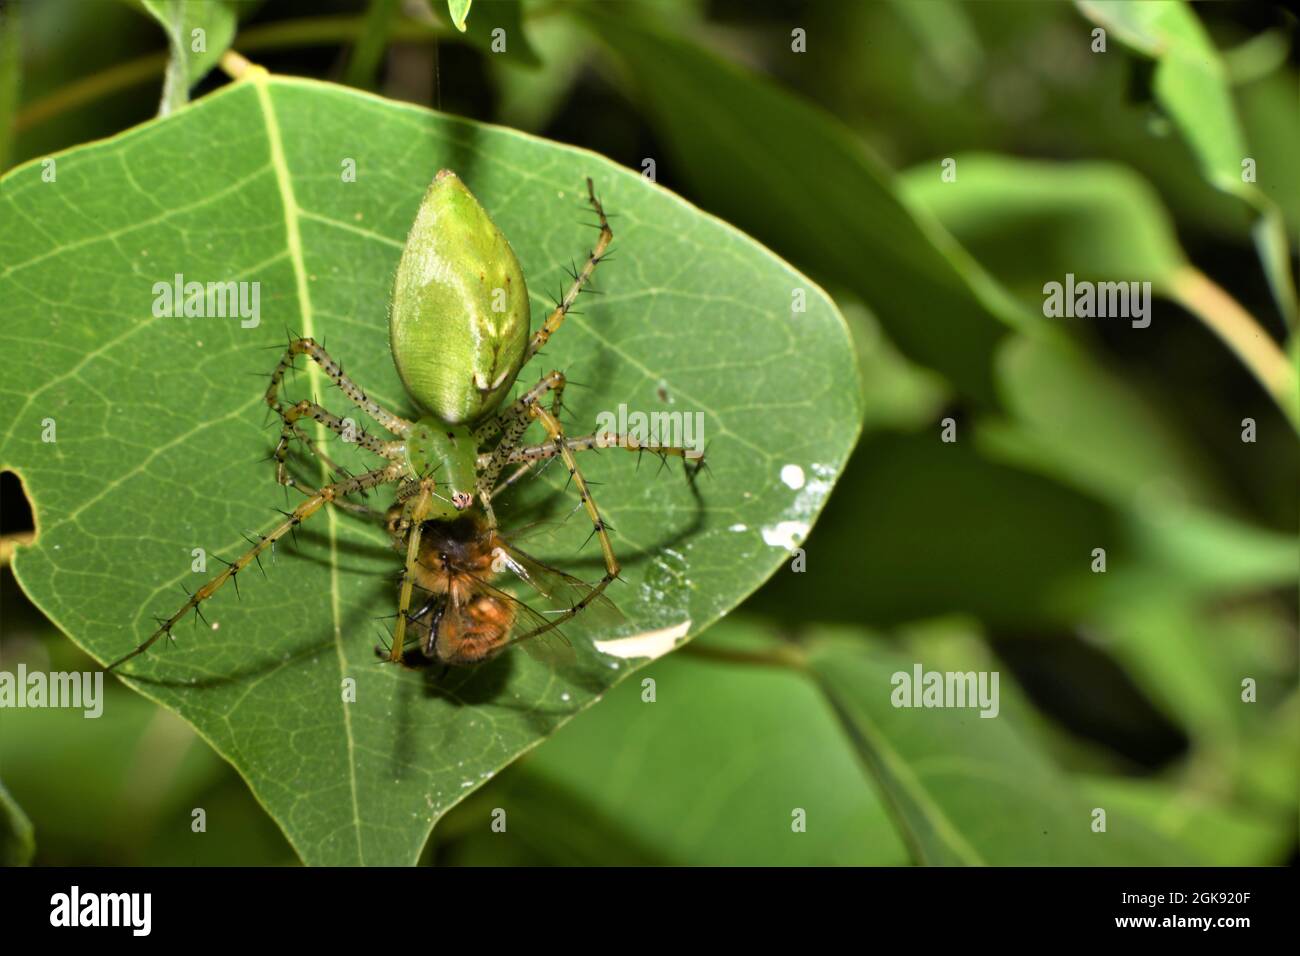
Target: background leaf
185, 67
1191, 84
11, 62
370, 47
786, 172
507, 16
17, 840
965, 789
703, 760
1026, 219
159, 431
1222, 836
459, 10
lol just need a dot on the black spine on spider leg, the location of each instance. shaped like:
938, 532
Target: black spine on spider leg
701, 465
268, 376
198, 608
167, 631
293, 526
257, 555
363, 492
290, 337
234, 575
382, 650
597, 527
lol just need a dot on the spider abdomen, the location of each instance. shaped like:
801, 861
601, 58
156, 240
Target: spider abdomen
474, 632
459, 321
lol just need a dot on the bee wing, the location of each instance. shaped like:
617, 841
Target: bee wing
548, 645
562, 591
542, 639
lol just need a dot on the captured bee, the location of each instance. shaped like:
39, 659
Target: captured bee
465, 618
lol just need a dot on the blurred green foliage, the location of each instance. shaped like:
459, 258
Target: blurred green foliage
1120, 690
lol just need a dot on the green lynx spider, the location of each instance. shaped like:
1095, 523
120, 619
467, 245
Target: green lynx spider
459, 329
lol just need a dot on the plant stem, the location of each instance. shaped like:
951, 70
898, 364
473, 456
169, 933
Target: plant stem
788, 656
1239, 330
363, 60
310, 31
233, 64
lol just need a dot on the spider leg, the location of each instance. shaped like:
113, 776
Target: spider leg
514, 476
414, 512
532, 453
580, 279
308, 409
558, 441
302, 346
291, 429
329, 493
513, 422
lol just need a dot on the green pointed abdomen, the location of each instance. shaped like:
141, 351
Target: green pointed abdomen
459, 322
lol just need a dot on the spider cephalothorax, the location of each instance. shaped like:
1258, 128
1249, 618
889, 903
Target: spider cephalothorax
460, 333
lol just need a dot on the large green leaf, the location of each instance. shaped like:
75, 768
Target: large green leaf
159, 430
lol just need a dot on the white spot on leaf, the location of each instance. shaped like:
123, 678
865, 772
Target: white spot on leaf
651, 644
786, 534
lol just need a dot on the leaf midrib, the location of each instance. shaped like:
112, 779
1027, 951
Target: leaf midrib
293, 238
857, 722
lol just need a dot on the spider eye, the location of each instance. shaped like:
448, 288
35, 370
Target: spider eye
461, 500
